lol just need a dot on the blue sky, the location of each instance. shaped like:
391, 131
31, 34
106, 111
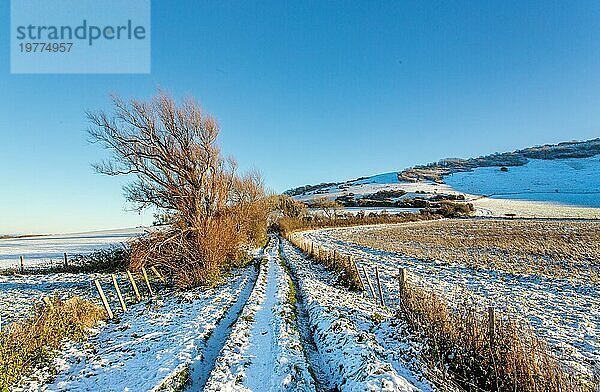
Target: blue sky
311, 91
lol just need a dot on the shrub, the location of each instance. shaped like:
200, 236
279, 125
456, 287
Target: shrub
114, 259
34, 342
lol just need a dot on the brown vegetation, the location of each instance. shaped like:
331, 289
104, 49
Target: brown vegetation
28, 344
172, 149
342, 265
288, 225
550, 248
480, 354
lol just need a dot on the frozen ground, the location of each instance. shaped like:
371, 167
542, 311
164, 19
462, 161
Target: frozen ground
42, 250
289, 328
566, 314
150, 345
18, 293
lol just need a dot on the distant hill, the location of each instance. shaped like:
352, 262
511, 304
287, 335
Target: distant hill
438, 170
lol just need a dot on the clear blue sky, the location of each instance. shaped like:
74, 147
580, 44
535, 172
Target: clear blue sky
312, 91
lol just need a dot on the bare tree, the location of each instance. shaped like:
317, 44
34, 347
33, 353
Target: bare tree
327, 206
288, 206
172, 150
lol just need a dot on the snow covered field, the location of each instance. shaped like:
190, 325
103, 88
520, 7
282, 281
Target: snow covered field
18, 293
286, 327
566, 313
43, 249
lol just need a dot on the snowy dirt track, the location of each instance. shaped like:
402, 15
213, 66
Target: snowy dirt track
264, 351
322, 338
564, 312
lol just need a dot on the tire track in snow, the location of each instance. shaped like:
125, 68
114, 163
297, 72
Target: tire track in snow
311, 351
200, 370
355, 352
263, 351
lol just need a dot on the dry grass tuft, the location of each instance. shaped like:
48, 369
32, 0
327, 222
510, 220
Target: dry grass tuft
34, 342
459, 339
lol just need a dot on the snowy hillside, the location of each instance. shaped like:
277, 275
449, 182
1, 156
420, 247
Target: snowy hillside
564, 183
567, 181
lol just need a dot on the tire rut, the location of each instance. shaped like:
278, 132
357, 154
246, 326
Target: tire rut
311, 351
201, 369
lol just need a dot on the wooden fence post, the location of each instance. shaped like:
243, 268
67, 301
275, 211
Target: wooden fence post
66, 261
147, 282
368, 282
491, 325
353, 264
379, 286
104, 300
22, 267
158, 274
401, 281
134, 285
118, 290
